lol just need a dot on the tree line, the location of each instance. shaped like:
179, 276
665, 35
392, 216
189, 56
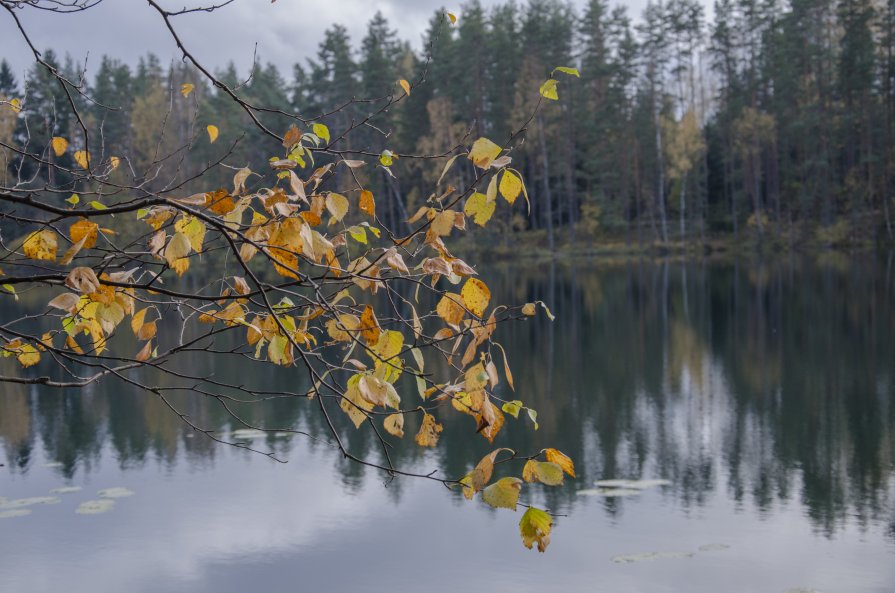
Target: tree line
773, 121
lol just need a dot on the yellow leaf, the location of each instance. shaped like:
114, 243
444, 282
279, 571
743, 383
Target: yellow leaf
186, 88
405, 85
28, 355
429, 431
450, 309
176, 251
194, 229
59, 145
367, 203
386, 362
82, 157
337, 205
16, 105
475, 480
443, 223
452, 17
548, 90
147, 331
560, 459
41, 245
343, 327
74, 200
322, 132
84, 229
503, 494
529, 309
476, 296
545, 472
212, 133
394, 425
510, 186
355, 406
114, 162
478, 206
137, 321
535, 526
483, 153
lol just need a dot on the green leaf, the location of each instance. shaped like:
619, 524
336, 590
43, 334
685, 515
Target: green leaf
533, 416
548, 90
513, 408
74, 200
566, 70
98, 205
503, 494
358, 233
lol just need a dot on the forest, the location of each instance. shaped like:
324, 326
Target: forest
770, 123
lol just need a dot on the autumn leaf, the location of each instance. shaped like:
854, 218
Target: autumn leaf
479, 208
512, 408
84, 229
367, 203
15, 104
405, 85
83, 280
452, 17
212, 133
535, 526
510, 186
560, 459
59, 145
450, 309
176, 253
503, 494
82, 157
369, 326
394, 424
321, 131
476, 296
483, 153
429, 431
548, 90
337, 205
186, 88
41, 245
545, 472
193, 229
353, 404
28, 356
529, 309
476, 480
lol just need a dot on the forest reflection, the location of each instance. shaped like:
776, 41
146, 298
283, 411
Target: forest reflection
765, 383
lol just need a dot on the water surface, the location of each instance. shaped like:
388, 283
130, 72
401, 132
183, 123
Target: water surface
764, 392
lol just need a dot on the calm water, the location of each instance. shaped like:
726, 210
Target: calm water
765, 394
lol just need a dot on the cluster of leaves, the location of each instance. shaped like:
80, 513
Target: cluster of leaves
321, 283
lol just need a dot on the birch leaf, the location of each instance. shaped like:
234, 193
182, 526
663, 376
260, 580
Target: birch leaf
560, 459
503, 494
479, 208
483, 153
429, 431
535, 527
59, 145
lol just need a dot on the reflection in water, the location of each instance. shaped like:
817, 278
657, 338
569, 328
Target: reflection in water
764, 383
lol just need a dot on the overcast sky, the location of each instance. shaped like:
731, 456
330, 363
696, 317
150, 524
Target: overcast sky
286, 31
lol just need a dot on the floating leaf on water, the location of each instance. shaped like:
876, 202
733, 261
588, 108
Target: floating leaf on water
115, 493
713, 547
95, 507
14, 513
65, 490
631, 558
632, 484
247, 434
609, 492
27, 502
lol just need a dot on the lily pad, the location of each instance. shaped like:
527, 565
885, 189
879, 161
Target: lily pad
713, 547
65, 490
632, 484
115, 493
14, 513
609, 492
95, 507
647, 556
27, 502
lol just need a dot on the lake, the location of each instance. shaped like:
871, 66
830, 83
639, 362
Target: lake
763, 392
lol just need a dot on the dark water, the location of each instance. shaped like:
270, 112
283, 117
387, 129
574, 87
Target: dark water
764, 393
